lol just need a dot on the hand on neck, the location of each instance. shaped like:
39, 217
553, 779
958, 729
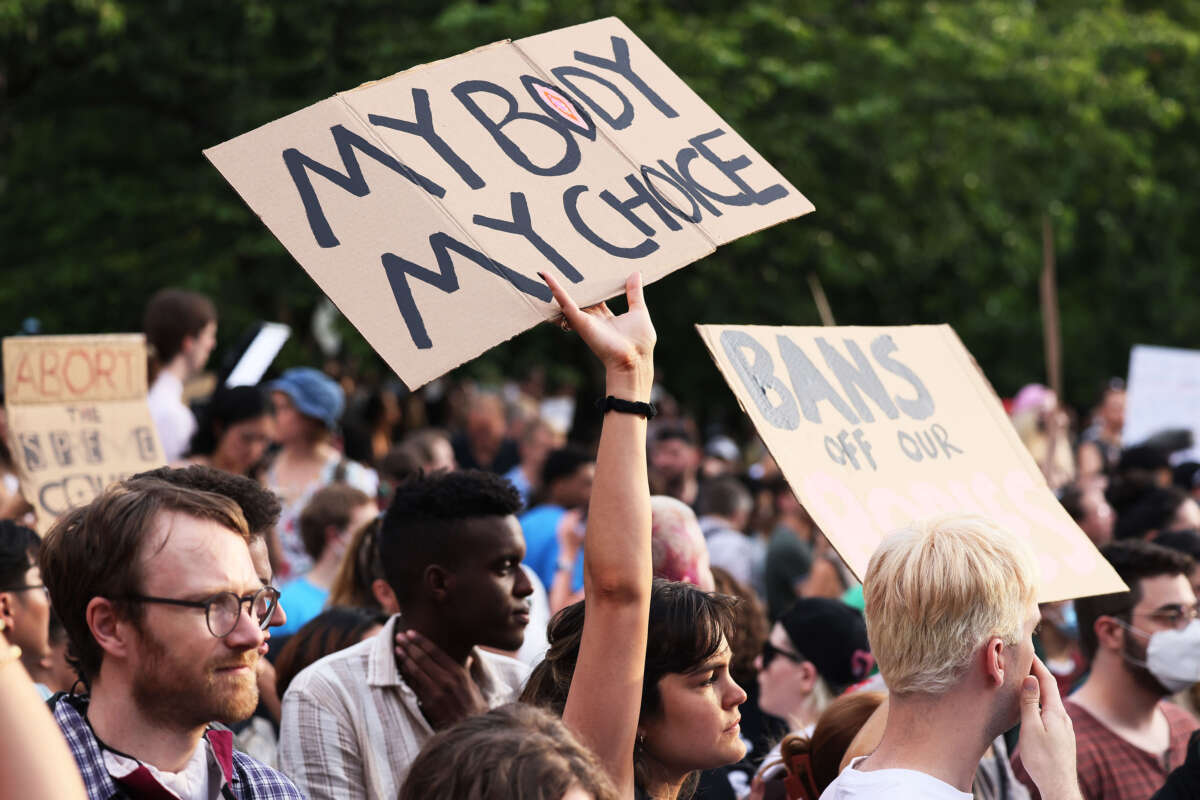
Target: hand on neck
427, 623
121, 725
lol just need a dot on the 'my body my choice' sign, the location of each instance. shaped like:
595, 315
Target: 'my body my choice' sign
424, 204
876, 427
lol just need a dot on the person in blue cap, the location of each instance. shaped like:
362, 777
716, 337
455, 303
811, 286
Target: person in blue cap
308, 404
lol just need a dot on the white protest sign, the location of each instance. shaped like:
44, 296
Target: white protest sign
258, 356
876, 427
424, 204
1163, 392
77, 417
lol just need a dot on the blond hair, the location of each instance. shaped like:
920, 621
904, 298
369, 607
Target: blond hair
937, 590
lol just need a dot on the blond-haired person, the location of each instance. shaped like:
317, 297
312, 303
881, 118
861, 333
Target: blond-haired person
951, 608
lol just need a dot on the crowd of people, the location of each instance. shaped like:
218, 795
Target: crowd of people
341, 591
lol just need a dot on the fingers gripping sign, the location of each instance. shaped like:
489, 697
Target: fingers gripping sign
624, 342
445, 690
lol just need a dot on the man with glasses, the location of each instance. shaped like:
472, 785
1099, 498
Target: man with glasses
24, 604
261, 509
1144, 645
165, 612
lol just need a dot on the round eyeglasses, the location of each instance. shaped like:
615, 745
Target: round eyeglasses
222, 610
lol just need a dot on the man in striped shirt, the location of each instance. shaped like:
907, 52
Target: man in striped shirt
451, 550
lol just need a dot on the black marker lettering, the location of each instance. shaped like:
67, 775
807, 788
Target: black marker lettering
685, 157
732, 167
640, 197
694, 216
571, 207
423, 127
522, 225
621, 65
299, 165
399, 269
619, 122
465, 92
688, 186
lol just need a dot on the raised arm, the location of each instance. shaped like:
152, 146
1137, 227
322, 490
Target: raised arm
606, 690
34, 758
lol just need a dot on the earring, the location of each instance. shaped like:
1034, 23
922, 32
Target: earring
641, 742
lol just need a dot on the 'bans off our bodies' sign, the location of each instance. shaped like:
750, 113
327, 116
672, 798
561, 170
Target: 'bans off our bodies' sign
424, 204
876, 427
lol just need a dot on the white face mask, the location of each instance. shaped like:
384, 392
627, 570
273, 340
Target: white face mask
1172, 656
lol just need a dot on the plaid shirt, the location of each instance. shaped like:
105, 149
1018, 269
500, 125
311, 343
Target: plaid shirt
249, 780
1111, 768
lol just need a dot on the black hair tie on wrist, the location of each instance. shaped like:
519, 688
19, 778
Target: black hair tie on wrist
610, 403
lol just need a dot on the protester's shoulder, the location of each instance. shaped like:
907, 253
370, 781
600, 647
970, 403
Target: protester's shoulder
1090, 733
541, 516
1179, 719
334, 672
1080, 715
730, 539
895, 784
69, 712
362, 477
509, 670
260, 781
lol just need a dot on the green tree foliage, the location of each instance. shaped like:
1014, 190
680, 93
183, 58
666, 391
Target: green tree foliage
932, 137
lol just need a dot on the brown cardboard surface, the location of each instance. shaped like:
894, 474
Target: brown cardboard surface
876, 427
77, 417
429, 238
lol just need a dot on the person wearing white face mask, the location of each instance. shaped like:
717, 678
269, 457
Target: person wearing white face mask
1144, 645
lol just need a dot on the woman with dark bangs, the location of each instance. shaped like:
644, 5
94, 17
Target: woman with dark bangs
640, 671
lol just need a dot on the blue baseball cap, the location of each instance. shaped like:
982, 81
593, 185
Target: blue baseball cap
313, 393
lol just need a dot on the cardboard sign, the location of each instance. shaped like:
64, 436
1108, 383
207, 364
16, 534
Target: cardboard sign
425, 204
876, 427
1164, 392
77, 417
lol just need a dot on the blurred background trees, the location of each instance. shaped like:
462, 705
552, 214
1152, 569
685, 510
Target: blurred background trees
933, 138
